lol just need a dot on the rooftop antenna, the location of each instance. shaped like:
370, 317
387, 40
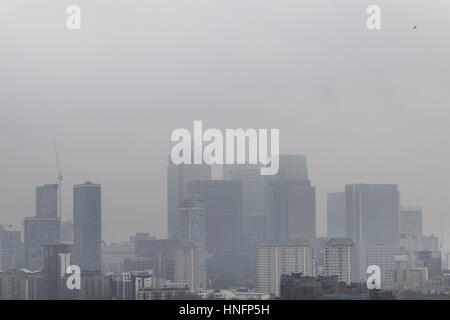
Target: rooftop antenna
59, 178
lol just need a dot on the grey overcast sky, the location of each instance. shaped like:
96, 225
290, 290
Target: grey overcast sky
364, 106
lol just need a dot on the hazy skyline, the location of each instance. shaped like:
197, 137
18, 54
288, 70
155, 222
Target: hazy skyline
364, 106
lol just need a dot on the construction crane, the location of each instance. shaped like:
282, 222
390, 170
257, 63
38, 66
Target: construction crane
59, 178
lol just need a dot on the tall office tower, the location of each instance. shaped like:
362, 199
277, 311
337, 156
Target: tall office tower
43, 228
383, 256
274, 259
178, 177
223, 229
410, 231
193, 221
336, 215
87, 226
253, 188
11, 250
56, 261
162, 255
292, 211
411, 221
67, 231
340, 260
291, 202
186, 266
292, 167
372, 213
257, 229
47, 201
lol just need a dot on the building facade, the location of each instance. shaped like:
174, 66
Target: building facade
87, 226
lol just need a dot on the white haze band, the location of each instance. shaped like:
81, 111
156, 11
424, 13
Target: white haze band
213, 153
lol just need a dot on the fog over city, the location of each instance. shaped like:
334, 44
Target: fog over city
363, 106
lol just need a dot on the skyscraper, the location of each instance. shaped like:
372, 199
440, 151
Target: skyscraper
292, 167
56, 261
372, 213
253, 188
161, 252
43, 228
47, 201
372, 222
194, 232
178, 177
292, 211
87, 226
223, 228
291, 202
11, 250
411, 220
336, 215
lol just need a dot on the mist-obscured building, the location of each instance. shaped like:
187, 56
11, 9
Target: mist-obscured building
43, 228
137, 264
114, 255
292, 211
87, 221
336, 215
161, 252
12, 253
291, 202
430, 243
411, 220
47, 201
223, 200
372, 213
66, 233
372, 220
253, 190
291, 167
193, 220
178, 177
56, 261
